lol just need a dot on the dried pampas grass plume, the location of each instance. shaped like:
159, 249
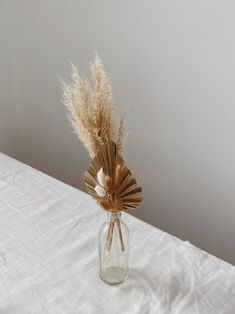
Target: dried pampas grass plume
90, 108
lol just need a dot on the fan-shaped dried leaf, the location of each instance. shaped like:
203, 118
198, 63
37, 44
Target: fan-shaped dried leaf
125, 193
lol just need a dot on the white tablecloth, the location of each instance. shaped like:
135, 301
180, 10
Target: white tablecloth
49, 260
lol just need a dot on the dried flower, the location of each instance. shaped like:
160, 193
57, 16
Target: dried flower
91, 109
100, 177
107, 179
108, 185
100, 190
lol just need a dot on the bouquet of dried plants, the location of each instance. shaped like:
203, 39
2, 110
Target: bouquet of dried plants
107, 179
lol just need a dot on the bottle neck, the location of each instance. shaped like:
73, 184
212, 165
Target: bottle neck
113, 215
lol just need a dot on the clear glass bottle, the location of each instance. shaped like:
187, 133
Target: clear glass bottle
114, 249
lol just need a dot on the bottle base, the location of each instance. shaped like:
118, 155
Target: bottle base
113, 275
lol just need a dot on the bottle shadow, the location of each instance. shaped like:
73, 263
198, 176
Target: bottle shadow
141, 288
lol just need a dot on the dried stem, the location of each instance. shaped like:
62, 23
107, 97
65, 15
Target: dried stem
120, 234
109, 239
111, 233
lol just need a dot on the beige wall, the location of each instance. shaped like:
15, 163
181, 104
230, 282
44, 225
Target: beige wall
174, 63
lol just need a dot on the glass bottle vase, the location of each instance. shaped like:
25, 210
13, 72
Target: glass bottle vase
114, 249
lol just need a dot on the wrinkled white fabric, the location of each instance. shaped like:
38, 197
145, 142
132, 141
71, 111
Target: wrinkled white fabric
49, 260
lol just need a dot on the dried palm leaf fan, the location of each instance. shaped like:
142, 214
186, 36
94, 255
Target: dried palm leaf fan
110, 182
107, 179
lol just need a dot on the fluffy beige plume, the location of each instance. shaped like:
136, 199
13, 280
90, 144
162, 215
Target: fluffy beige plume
91, 109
